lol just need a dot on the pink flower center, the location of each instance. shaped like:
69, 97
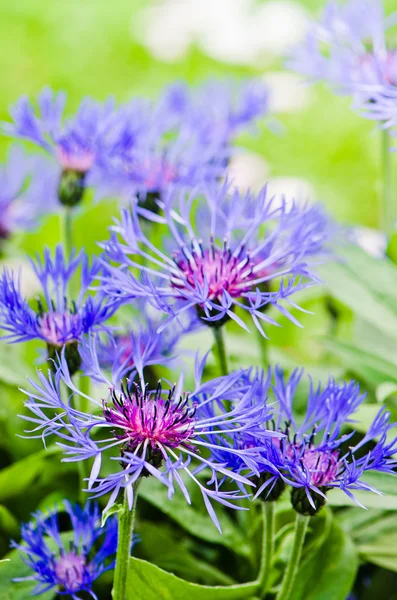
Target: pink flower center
387, 67
70, 570
158, 175
58, 327
323, 466
143, 417
216, 268
80, 161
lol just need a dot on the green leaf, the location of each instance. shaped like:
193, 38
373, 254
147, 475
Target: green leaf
148, 582
367, 364
16, 479
10, 590
115, 509
192, 520
382, 551
366, 285
330, 574
13, 368
162, 545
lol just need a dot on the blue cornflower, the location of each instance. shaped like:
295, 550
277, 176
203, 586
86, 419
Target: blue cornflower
75, 143
59, 320
316, 454
165, 433
348, 49
181, 140
27, 191
224, 255
68, 568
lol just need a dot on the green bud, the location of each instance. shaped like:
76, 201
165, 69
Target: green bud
71, 187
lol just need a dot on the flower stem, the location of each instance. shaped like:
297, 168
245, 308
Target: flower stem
67, 230
387, 207
221, 350
267, 547
84, 466
301, 524
125, 533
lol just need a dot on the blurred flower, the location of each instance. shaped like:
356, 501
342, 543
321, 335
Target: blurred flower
164, 433
75, 143
315, 456
182, 140
220, 110
59, 321
348, 49
225, 255
68, 568
27, 191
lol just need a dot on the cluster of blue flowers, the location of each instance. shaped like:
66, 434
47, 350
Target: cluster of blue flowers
218, 255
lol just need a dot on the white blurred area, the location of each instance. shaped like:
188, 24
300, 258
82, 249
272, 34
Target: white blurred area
241, 32
30, 285
374, 242
249, 170
237, 32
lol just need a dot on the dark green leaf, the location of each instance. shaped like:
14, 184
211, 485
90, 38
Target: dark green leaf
8, 523
17, 478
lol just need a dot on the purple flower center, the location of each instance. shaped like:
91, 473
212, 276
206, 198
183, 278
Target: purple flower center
70, 570
57, 327
143, 417
323, 466
220, 269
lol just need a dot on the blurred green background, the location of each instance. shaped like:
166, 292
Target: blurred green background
128, 47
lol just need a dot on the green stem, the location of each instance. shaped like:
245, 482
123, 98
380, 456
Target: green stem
387, 207
221, 350
67, 230
82, 404
267, 547
125, 533
301, 524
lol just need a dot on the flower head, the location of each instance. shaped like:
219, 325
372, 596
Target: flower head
59, 320
27, 191
163, 432
183, 139
68, 567
76, 144
319, 454
233, 251
348, 48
